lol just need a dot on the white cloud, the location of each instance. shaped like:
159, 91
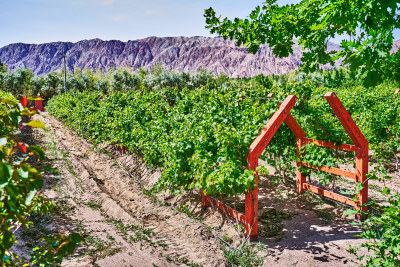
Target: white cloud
107, 2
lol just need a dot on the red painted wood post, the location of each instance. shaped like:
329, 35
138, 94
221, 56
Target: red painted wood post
39, 103
300, 178
256, 149
205, 200
24, 101
359, 141
251, 202
300, 135
361, 176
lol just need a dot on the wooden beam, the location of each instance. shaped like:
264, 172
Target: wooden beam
361, 176
330, 194
251, 201
300, 177
263, 139
322, 143
233, 213
332, 170
294, 127
345, 119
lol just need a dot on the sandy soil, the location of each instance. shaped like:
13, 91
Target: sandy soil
90, 178
104, 190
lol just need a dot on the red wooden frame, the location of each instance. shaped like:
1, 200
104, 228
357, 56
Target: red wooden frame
360, 147
38, 103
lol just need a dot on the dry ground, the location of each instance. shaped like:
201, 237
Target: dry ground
102, 194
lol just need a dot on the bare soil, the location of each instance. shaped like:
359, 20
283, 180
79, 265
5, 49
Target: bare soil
104, 196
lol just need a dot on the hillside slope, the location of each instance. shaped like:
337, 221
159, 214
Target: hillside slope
188, 54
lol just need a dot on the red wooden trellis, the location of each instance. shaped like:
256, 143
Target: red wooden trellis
38, 103
360, 147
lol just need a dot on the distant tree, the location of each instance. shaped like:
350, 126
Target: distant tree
366, 25
157, 69
3, 67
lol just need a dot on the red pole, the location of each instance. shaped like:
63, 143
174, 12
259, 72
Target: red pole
39, 103
300, 178
251, 202
205, 200
359, 141
361, 176
24, 101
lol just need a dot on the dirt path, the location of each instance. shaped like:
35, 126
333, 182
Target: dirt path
126, 227
106, 201
316, 235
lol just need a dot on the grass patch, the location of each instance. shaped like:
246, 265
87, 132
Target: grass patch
247, 256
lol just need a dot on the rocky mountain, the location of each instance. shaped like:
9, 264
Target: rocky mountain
189, 54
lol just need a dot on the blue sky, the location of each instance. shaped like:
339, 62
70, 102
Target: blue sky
40, 21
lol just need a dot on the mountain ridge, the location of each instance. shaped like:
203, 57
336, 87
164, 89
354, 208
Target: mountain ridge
189, 54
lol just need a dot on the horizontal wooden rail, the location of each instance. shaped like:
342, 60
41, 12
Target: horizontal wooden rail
332, 170
330, 194
233, 213
322, 143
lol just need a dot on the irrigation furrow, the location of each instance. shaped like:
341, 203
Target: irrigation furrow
185, 237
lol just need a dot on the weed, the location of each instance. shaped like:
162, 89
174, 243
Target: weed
34, 234
272, 220
185, 209
326, 215
140, 234
100, 248
247, 256
93, 205
111, 237
227, 239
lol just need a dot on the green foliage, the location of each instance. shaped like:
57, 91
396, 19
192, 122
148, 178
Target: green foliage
367, 28
23, 83
245, 257
3, 67
382, 233
20, 185
56, 249
7, 96
272, 221
17, 83
200, 137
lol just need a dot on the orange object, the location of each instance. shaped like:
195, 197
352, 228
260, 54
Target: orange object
24, 101
39, 103
360, 147
22, 147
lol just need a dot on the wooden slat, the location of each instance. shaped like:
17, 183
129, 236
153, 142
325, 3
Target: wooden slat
322, 143
345, 119
205, 200
330, 194
361, 174
263, 139
300, 177
233, 213
294, 127
251, 202
332, 170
